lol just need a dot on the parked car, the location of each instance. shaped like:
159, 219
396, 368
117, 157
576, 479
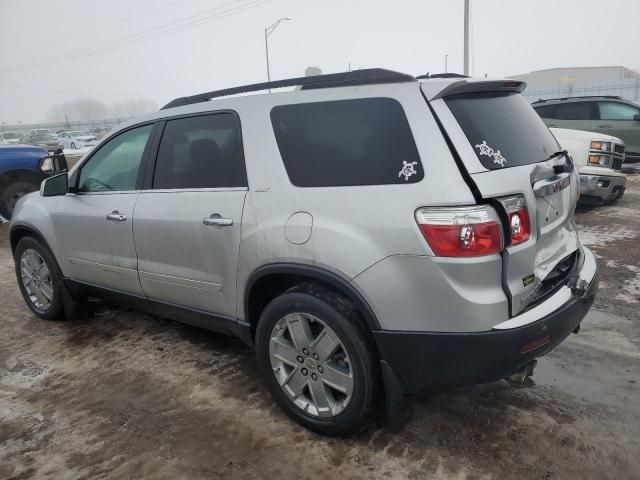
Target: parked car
75, 139
99, 132
369, 233
22, 169
598, 159
9, 138
47, 141
608, 115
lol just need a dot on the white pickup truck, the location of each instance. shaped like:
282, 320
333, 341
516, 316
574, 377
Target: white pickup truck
598, 159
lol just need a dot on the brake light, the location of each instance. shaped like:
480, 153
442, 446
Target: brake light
518, 215
461, 231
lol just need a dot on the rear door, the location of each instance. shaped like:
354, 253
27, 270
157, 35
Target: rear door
187, 222
504, 145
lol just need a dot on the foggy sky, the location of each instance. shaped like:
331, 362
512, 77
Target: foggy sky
508, 37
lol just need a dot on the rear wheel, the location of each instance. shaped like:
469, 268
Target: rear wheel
12, 193
73, 146
39, 279
317, 360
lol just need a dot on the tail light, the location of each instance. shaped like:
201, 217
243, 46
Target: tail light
461, 231
518, 215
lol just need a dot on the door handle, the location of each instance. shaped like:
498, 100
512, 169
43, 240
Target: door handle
604, 125
218, 220
116, 216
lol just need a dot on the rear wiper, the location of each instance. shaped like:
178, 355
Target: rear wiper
565, 167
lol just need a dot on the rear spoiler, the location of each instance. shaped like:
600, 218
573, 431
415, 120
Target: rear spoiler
464, 86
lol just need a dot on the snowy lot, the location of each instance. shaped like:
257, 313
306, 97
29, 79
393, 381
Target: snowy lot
124, 395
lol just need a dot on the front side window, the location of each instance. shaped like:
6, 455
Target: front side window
346, 143
200, 152
617, 111
115, 166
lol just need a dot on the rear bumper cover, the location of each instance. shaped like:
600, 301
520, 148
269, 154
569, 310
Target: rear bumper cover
434, 360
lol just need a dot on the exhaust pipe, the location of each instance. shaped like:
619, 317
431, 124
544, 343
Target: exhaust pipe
519, 377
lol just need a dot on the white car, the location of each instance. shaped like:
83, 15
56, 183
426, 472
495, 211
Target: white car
10, 138
76, 139
598, 159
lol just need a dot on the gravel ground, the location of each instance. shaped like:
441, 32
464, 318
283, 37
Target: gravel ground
125, 395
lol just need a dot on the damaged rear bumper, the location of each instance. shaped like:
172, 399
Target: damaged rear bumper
421, 361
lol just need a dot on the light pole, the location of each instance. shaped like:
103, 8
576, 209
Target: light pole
446, 57
268, 31
466, 37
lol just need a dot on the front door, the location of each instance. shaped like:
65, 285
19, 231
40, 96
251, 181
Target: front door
187, 225
617, 119
94, 225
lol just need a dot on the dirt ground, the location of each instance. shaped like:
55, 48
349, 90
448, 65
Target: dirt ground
125, 395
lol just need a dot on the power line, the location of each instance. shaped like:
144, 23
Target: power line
146, 35
116, 23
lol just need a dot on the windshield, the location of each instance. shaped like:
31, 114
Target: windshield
503, 129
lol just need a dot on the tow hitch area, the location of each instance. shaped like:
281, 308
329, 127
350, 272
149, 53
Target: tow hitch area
518, 378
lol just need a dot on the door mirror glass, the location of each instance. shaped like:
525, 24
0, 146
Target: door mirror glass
55, 186
636, 117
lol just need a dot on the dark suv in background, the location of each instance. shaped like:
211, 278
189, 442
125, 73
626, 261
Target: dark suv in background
604, 114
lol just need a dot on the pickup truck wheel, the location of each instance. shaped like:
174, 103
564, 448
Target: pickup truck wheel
317, 360
39, 279
12, 194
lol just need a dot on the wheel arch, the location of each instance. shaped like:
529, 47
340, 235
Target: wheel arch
269, 281
20, 230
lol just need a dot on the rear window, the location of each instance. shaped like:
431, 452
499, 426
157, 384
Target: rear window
546, 111
503, 129
346, 143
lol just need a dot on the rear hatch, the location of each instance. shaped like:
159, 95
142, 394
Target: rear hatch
509, 154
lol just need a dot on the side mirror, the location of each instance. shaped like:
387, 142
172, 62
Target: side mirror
636, 117
55, 186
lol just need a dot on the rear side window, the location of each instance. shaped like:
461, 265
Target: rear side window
503, 129
575, 111
200, 152
546, 111
346, 143
617, 111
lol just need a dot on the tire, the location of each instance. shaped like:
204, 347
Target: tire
354, 360
54, 310
12, 193
73, 146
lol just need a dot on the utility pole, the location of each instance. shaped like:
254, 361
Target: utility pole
446, 57
466, 37
268, 31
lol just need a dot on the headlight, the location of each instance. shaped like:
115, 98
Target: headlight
604, 146
47, 165
599, 160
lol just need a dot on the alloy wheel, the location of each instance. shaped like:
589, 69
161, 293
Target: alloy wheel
311, 364
36, 279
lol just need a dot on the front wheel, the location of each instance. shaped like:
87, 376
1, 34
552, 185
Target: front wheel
39, 279
317, 360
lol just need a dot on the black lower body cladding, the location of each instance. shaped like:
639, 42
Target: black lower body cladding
423, 361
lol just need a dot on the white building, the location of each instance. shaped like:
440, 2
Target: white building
578, 81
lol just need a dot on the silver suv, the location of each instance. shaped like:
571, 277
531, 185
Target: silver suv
372, 235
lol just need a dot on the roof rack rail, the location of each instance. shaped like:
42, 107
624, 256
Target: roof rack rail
367, 76
542, 100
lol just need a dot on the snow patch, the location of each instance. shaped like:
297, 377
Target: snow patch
631, 288
600, 235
